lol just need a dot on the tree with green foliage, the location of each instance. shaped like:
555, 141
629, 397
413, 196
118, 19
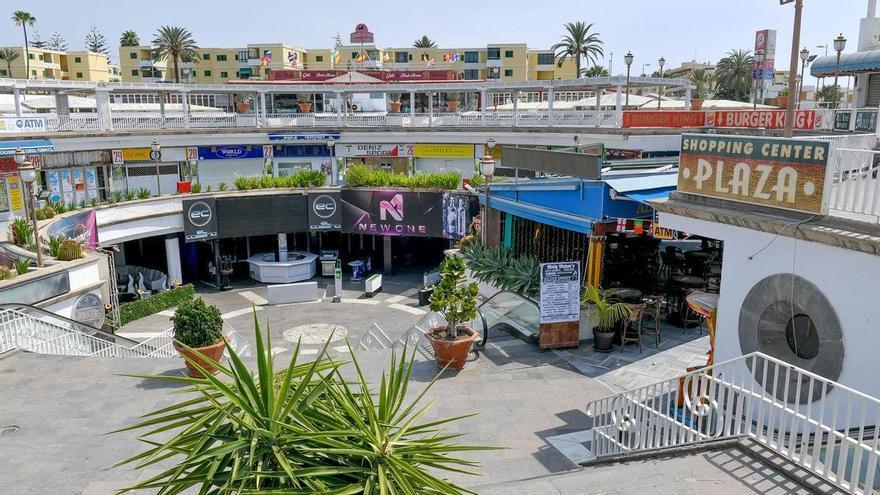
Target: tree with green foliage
424, 42
96, 42
578, 42
25, 19
704, 83
733, 76
830, 94
129, 38
596, 71
56, 42
9, 55
37, 41
176, 43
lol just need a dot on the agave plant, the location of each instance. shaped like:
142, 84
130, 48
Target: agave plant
222, 186
143, 193
129, 195
22, 231
21, 266
498, 266
196, 188
302, 430
54, 244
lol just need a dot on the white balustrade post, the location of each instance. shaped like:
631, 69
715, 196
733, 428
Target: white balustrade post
340, 100
262, 121
618, 102
184, 102
172, 256
102, 105
16, 96
162, 108
515, 108
430, 108
412, 108
551, 96
687, 98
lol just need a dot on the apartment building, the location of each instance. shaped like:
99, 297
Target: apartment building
53, 64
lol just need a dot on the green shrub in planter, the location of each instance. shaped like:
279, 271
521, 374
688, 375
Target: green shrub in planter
69, 250
22, 265
22, 231
6, 273
136, 310
454, 298
197, 324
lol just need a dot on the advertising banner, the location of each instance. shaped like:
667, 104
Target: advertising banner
392, 212
82, 227
775, 172
443, 151
79, 186
261, 215
136, 154
305, 136
687, 118
384, 75
16, 198
67, 186
325, 211
458, 211
866, 121
560, 292
375, 150
199, 219
54, 185
842, 120
229, 152
22, 124
766, 119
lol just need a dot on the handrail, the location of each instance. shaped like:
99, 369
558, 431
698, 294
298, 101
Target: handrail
80, 326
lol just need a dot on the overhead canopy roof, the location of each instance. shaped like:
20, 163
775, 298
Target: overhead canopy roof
850, 63
7, 148
649, 195
624, 185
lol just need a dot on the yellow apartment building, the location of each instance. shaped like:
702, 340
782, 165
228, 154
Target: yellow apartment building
53, 64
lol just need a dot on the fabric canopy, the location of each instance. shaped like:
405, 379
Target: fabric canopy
575, 223
649, 195
851, 62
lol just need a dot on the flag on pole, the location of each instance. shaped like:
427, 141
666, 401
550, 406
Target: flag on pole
430, 63
456, 57
621, 225
293, 57
447, 57
266, 58
638, 227
336, 56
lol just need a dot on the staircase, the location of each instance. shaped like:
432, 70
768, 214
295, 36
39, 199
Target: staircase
34, 330
821, 426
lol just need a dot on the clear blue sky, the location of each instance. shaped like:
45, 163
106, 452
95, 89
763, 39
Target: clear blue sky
676, 29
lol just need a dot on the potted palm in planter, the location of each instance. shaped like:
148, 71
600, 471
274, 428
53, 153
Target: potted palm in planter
197, 334
703, 82
452, 101
395, 102
605, 314
456, 300
304, 103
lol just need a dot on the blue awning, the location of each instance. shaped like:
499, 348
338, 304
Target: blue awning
850, 63
543, 215
649, 195
7, 148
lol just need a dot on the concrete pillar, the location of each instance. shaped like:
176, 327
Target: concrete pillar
162, 107
551, 96
598, 99
430, 109
262, 120
484, 99
16, 96
102, 104
515, 108
172, 258
687, 98
618, 104
387, 265
62, 105
184, 102
340, 100
412, 106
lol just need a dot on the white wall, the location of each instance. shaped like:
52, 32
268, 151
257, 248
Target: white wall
213, 172
314, 162
464, 166
848, 279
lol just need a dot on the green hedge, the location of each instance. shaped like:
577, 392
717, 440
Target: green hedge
136, 310
363, 176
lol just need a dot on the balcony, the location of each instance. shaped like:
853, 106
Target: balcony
493, 62
253, 62
51, 65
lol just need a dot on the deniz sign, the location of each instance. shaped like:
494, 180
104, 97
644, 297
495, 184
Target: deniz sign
199, 220
392, 213
229, 152
325, 211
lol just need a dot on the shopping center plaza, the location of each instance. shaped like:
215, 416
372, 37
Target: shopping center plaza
672, 294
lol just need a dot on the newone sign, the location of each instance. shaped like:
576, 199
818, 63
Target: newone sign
382, 75
781, 173
748, 119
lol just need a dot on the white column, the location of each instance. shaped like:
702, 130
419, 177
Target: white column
430, 108
62, 104
172, 258
162, 107
598, 99
184, 102
340, 100
102, 104
618, 104
551, 96
484, 99
412, 107
262, 120
515, 108
16, 96
687, 98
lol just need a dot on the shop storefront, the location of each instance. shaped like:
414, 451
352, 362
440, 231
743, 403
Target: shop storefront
12, 199
446, 158
134, 169
222, 164
393, 157
289, 158
78, 177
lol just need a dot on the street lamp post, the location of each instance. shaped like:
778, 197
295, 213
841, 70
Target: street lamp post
487, 170
28, 175
628, 59
661, 62
792, 68
839, 45
331, 143
155, 154
805, 54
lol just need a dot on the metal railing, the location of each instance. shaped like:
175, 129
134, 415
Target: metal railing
54, 335
819, 425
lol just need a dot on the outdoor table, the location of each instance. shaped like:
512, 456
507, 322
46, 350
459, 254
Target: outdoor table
706, 304
687, 281
696, 261
680, 286
698, 255
625, 294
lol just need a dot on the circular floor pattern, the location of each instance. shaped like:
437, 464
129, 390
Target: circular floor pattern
315, 333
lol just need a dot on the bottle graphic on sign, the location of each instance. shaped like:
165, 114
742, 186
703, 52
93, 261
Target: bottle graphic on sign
451, 219
462, 218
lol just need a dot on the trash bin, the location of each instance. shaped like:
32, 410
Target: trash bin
425, 295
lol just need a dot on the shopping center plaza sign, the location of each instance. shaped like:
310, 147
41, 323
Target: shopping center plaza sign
781, 173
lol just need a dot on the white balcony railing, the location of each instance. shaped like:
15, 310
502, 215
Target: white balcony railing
819, 425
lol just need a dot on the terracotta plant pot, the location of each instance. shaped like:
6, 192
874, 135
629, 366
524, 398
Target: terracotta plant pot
243, 107
304, 107
603, 341
452, 105
782, 101
395, 106
452, 352
696, 103
214, 352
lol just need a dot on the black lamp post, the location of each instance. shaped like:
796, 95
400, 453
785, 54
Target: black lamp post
156, 149
28, 175
661, 62
628, 59
839, 45
487, 170
805, 54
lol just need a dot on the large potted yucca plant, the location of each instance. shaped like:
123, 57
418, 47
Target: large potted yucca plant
394, 102
605, 314
198, 331
302, 429
456, 300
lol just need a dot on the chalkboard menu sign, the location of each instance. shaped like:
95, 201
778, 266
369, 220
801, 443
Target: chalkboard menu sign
842, 119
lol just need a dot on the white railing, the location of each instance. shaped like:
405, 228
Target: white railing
25, 332
852, 177
821, 426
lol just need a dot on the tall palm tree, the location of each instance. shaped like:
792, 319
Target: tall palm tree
579, 42
704, 82
129, 38
424, 42
733, 75
25, 19
176, 43
8, 55
596, 71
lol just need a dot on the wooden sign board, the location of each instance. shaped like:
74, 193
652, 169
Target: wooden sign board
560, 305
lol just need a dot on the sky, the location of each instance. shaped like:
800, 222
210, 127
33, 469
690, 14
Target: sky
679, 30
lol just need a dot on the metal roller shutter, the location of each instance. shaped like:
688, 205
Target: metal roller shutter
873, 99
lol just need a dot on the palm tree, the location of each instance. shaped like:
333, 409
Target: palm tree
733, 75
176, 43
25, 19
704, 82
596, 71
424, 42
579, 42
8, 55
129, 38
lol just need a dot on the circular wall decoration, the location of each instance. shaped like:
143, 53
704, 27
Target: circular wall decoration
789, 318
315, 333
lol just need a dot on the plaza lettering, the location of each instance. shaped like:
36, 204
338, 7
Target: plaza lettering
738, 182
